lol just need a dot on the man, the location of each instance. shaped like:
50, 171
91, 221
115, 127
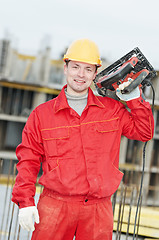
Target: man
76, 137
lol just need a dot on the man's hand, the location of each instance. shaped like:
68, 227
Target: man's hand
127, 96
27, 216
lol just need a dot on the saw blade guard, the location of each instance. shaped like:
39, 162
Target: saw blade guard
133, 65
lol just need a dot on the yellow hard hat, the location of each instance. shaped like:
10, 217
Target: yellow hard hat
83, 50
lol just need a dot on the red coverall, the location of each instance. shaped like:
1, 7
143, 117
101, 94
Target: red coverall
80, 158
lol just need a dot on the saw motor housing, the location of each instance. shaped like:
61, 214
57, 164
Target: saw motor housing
133, 65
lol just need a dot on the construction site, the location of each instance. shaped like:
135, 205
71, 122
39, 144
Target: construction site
27, 81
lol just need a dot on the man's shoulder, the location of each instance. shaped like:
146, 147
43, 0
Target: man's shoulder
108, 101
46, 105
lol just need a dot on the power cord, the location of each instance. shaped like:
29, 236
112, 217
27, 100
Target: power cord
143, 167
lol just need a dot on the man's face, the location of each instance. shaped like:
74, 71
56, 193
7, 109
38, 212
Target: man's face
79, 77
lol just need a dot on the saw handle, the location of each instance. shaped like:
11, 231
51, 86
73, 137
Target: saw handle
120, 73
137, 80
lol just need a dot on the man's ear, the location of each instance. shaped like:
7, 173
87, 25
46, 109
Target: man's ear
95, 75
65, 69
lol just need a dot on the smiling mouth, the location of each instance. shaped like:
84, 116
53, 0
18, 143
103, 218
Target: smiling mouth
79, 81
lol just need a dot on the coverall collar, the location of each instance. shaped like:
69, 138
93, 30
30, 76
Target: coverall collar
61, 101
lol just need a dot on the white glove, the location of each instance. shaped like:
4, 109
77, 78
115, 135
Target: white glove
127, 96
27, 216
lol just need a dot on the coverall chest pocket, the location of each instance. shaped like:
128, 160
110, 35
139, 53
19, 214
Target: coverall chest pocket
107, 133
56, 141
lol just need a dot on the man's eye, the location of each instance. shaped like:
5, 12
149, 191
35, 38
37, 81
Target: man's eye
74, 66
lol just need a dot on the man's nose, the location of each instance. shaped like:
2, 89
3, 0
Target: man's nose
81, 72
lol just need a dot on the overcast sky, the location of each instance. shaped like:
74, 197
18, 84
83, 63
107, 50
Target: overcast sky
117, 26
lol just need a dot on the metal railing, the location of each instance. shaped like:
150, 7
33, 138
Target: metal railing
123, 202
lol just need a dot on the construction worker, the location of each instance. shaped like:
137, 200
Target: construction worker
76, 137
